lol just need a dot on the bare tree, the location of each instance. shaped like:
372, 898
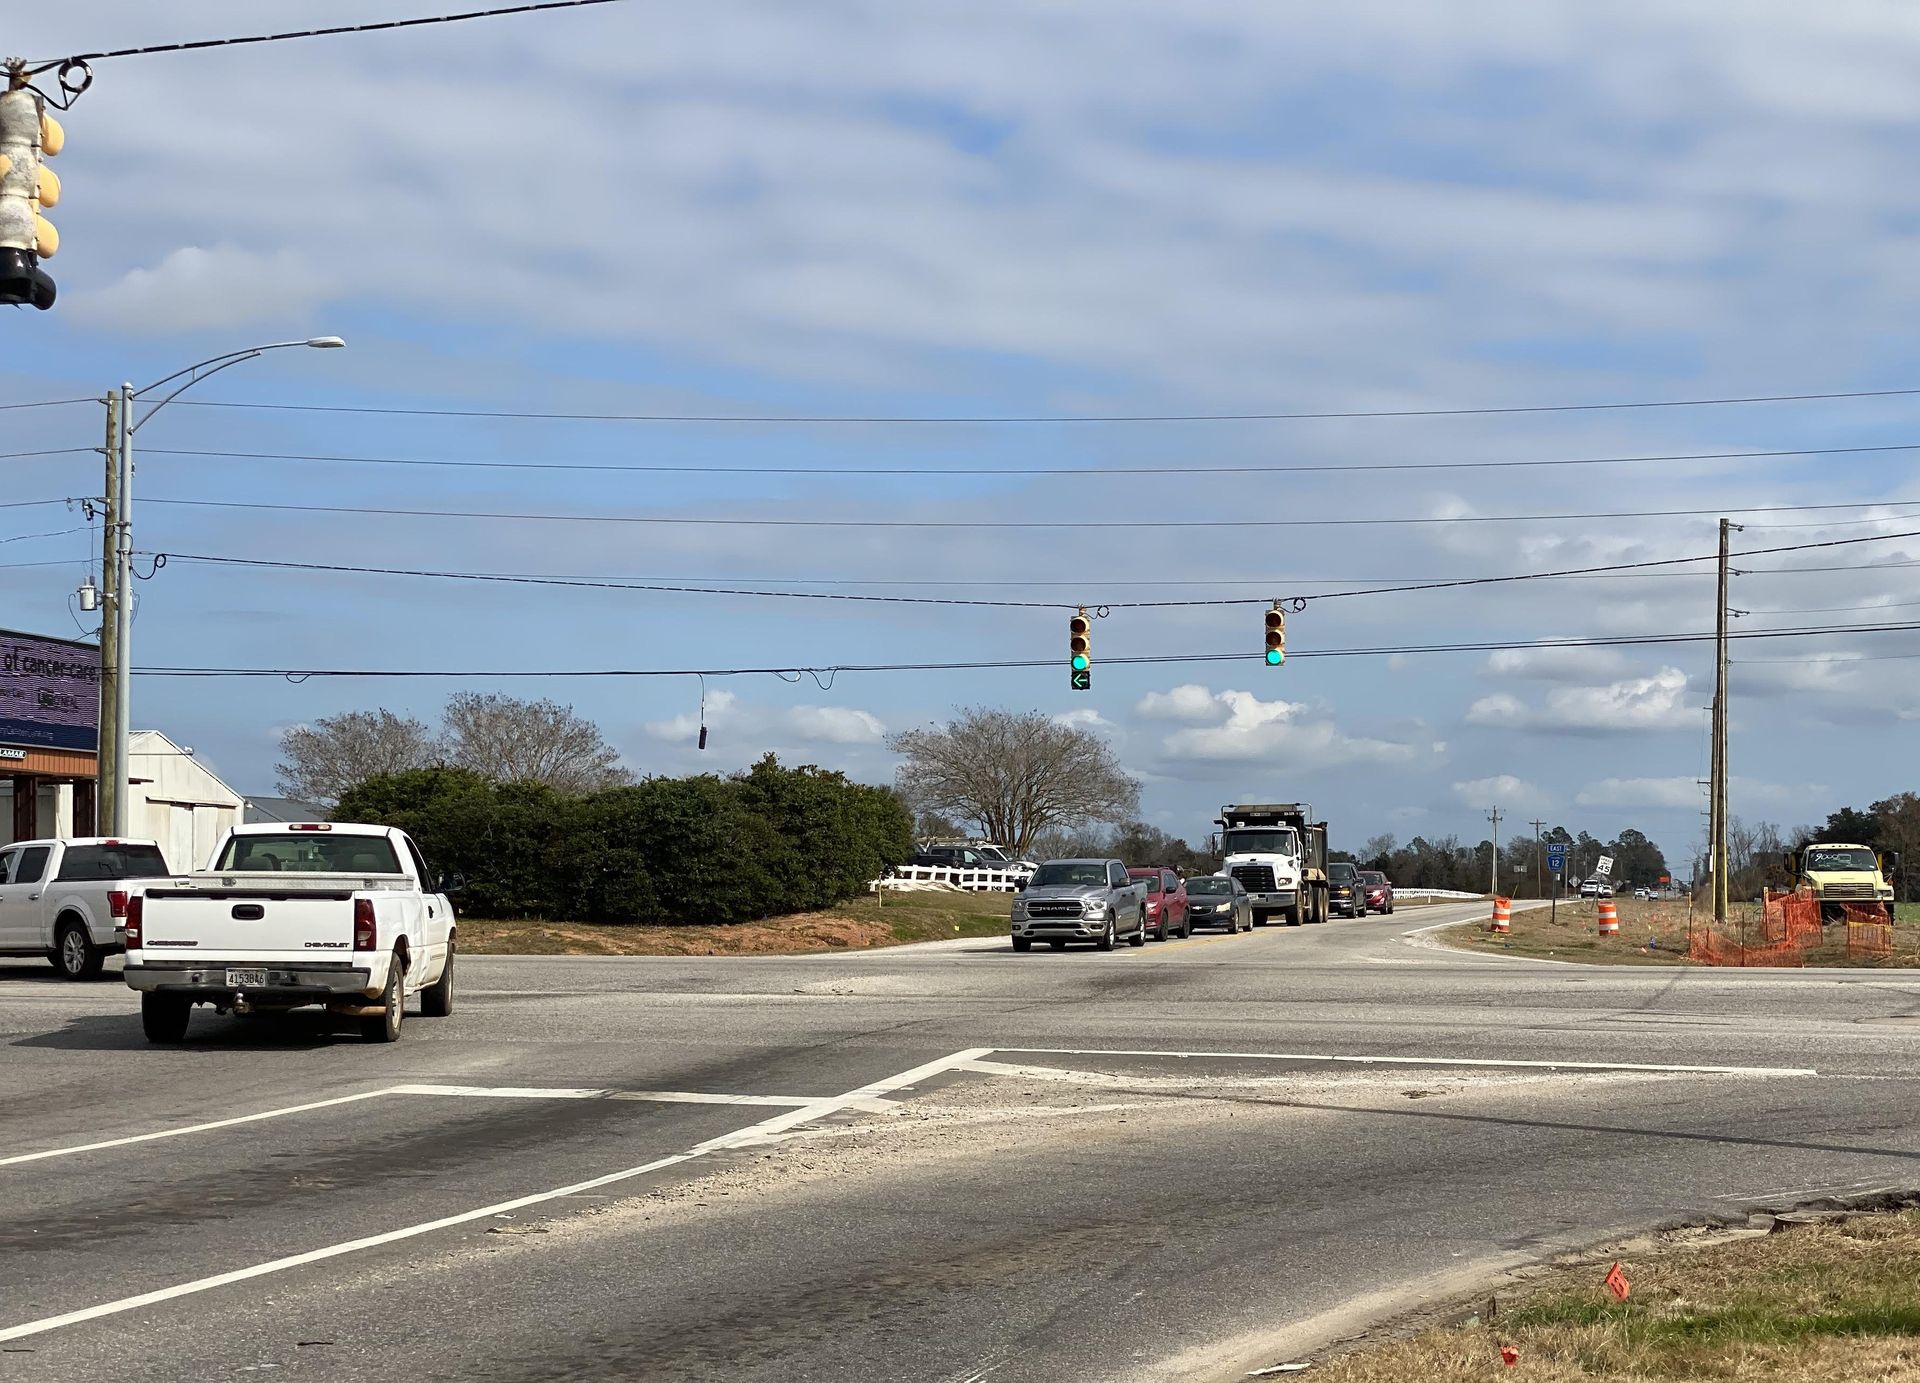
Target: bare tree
512, 740
324, 759
1013, 774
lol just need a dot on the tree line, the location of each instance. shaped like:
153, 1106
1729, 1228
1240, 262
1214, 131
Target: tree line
762, 843
1754, 849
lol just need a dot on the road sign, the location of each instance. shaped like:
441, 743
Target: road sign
1557, 857
1605, 867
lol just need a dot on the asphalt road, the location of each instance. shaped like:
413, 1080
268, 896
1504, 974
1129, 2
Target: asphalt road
945, 1163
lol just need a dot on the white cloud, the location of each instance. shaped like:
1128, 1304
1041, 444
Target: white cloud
1583, 665
1657, 702
1084, 718
195, 289
837, 725
1684, 793
1642, 792
1191, 702
1501, 790
1249, 729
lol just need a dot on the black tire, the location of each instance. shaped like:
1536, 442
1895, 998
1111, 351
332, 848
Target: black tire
436, 1000
1107, 937
1023, 943
1294, 915
163, 1019
1160, 932
385, 1025
1139, 938
74, 954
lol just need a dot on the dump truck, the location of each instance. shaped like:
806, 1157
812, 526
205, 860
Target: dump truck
1839, 875
1279, 855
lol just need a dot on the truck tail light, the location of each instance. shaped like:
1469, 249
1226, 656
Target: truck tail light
136, 913
117, 903
363, 924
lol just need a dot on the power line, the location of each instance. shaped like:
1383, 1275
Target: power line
704, 585
695, 468
697, 521
373, 28
43, 403
302, 674
49, 451
161, 559
1041, 418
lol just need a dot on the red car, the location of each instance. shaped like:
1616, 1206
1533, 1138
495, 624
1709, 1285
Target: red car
1379, 891
1166, 903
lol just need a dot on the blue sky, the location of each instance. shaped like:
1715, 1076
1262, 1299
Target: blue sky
988, 209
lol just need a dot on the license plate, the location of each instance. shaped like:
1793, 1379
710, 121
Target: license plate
238, 978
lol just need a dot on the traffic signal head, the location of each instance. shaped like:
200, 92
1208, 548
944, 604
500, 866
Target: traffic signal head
1276, 636
27, 136
1080, 641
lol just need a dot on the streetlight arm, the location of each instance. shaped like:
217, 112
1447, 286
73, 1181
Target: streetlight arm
195, 375
213, 365
248, 353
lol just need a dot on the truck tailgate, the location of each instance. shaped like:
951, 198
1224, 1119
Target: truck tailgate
248, 922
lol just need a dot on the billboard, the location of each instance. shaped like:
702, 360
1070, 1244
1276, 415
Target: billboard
49, 693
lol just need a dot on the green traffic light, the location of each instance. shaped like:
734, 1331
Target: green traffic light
1275, 657
1079, 662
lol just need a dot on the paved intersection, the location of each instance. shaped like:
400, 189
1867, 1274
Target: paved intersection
944, 1163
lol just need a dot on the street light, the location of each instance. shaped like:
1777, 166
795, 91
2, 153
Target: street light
116, 630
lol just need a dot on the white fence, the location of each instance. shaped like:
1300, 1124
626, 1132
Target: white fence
921, 876
1435, 893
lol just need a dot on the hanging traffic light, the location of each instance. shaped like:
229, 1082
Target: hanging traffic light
1080, 650
1276, 636
27, 135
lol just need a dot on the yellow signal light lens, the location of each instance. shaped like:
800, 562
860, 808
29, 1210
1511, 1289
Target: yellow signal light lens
52, 138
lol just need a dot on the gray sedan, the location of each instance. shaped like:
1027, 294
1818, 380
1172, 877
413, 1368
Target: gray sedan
1214, 900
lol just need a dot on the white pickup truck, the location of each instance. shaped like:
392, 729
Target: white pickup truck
284, 916
67, 899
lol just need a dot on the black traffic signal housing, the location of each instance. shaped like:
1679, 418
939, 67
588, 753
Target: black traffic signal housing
28, 136
1276, 635
1080, 650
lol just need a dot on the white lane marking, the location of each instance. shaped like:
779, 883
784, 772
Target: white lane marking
544, 1092
192, 1128
506, 1092
774, 1124
1427, 1061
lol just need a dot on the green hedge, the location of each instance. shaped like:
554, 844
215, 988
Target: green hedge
769, 841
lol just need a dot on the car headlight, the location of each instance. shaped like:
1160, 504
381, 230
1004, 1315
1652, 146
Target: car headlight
1019, 909
1092, 907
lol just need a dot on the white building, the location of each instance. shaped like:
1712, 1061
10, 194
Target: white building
176, 800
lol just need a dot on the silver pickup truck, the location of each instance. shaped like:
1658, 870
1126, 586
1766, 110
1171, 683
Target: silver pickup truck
1080, 900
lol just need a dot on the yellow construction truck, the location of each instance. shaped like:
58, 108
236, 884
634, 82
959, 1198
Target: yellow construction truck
1838, 874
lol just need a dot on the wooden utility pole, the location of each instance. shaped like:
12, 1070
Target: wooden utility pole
1494, 817
1717, 848
1539, 860
111, 774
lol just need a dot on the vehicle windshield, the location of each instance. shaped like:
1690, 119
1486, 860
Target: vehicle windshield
1341, 873
1152, 881
1265, 840
1055, 873
1210, 885
308, 852
994, 855
82, 862
1853, 859
1373, 876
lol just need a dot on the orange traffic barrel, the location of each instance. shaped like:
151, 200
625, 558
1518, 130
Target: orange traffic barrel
1503, 914
1609, 917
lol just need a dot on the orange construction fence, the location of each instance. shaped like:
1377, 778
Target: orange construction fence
1708, 947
